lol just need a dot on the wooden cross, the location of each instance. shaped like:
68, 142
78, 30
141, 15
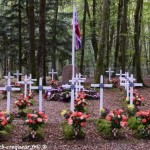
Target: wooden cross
52, 72
8, 88
17, 74
31, 81
101, 86
25, 82
109, 72
40, 88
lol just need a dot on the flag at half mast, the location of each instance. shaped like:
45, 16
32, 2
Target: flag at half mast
77, 31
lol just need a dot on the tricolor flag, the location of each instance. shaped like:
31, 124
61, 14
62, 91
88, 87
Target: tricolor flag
77, 31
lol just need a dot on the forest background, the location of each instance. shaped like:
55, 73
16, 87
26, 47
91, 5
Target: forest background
35, 36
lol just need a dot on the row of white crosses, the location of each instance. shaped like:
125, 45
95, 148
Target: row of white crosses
8, 88
101, 86
129, 85
77, 87
121, 76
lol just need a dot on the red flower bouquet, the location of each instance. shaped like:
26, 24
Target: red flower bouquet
22, 103
117, 119
36, 120
80, 103
4, 120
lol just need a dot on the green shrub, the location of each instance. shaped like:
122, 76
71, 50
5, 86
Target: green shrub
133, 123
8, 128
68, 132
103, 128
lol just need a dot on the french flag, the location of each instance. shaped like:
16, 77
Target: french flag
77, 32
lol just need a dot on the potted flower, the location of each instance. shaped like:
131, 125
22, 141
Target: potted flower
36, 121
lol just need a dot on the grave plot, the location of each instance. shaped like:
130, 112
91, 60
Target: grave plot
53, 136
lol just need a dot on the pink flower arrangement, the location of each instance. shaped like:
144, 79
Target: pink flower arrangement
80, 102
117, 119
22, 103
36, 120
144, 117
138, 100
76, 120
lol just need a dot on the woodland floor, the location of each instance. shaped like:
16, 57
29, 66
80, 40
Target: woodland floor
53, 139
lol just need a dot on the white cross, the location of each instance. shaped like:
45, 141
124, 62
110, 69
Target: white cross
9, 76
68, 86
101, 86
52, 72
40, 88
25, 82
131, 88
109, 72
17, 75
120, 75
78, 80
31, 81
8, 88
72, 87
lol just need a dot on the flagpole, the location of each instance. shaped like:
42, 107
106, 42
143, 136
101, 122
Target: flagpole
73, 57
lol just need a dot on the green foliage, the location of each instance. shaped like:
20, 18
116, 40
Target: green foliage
3, 134
104, 128
68, 132
40, 132
8, 128
134, 123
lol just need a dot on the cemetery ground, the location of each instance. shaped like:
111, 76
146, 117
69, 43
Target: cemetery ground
53, 138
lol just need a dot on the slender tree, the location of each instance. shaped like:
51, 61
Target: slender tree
137, 31
32, 62
42, 38
20, 37
123, 35
54, 34
103, 42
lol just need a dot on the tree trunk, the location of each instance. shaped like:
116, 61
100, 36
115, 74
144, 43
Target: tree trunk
32, 62
54, 46
108, 40
20, 38
102, 46
83, 37
137, 31
93, 27
123, 35
120, 5
41, 49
